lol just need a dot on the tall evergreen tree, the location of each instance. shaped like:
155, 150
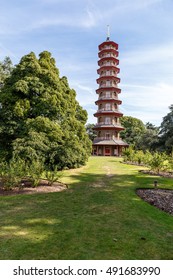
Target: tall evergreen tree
40, 117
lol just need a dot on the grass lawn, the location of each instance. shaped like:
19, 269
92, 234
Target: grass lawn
98, 217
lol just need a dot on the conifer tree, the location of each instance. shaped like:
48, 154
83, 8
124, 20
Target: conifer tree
40, 117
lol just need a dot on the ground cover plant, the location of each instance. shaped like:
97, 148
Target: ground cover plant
99, 216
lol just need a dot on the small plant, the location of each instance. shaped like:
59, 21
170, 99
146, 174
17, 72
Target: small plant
139, 157
35, 171
147, 158
129, 154
53, 175
11, 173
157, 161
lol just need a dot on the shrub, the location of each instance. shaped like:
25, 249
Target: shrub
139, 157
53, 175
157, 161
35, 171
129, 154
11, 173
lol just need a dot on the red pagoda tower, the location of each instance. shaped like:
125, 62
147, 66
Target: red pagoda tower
108, 127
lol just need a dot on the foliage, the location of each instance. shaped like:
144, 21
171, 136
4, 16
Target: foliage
128, 154
166, 132
35, 171
142, 137
91, 132
40, 118
149, 140
139, 157
6, 68
156, 161
11, 173
134, 129
53, 175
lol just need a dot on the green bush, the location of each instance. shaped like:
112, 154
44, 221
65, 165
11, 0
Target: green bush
156, 161
11, 173
35, 171
53, 175
129, 154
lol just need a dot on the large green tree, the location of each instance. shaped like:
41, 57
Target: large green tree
166, 132
149, 140
40, 117
134, 129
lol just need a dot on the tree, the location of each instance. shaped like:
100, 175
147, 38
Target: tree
166, 132
40, 117
149, 139
91, 132
6, 68
134, 129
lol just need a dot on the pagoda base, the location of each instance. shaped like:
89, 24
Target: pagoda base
108, 148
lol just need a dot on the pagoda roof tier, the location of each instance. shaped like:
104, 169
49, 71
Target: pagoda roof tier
108, 127
108, 99
110, 77
102, 112
110, 67
102, 89
109, 58
111, 44
104, 51
107, 142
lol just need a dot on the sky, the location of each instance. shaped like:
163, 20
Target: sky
72, 30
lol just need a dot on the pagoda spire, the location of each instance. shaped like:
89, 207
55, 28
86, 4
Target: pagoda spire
108, 33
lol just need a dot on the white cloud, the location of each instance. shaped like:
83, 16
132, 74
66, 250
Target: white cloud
147, 87
148, 103
149, 54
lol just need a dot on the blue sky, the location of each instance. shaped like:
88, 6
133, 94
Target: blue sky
72, 30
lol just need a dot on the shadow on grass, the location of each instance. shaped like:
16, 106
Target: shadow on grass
98, 217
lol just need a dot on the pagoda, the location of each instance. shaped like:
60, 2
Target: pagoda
108, 127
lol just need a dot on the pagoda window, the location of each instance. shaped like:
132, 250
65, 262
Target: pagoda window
107, 120
107, 136
108, 83
108, 106
108, 94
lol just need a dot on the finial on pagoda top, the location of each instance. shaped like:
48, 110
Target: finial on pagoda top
108, 33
